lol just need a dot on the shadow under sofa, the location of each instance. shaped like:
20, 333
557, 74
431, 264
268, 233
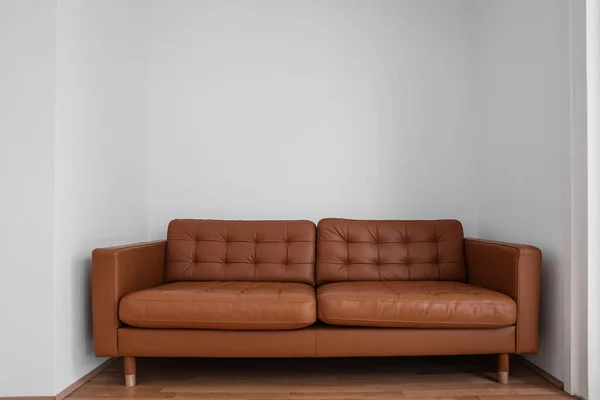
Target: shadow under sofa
346, 288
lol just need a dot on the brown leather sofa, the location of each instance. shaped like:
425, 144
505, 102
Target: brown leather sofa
285, 289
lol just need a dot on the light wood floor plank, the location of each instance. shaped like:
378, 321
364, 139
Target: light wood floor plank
402, 378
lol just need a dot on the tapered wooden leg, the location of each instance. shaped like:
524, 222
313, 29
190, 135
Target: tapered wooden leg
129, 371
503, 369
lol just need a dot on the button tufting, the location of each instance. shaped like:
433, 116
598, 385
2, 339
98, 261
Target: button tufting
407, 250
448, 304
233, 247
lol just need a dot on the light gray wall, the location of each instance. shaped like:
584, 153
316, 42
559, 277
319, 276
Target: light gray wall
27, 69
524, 149
277, 109
267, 109
100, 159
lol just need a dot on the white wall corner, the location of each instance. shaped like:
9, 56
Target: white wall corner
576, 369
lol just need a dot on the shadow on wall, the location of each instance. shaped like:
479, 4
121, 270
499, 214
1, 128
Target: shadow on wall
80, 328
550, 286
86, 284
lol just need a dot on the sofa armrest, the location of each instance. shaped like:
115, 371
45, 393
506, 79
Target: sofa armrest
117, 271
515, 270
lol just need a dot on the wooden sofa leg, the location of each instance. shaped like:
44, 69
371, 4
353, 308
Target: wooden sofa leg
503, 369
129, 371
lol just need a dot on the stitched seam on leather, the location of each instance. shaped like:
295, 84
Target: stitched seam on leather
242, 262
378, 259
215, 321
347, 251
130, 246
437, 251
414, 322
407, 249
116, 300
390, 263
254, 269
518, 281
193, 266
220, 302
389, 242
419, 302
287, 247
226, 252
241, 241
129, 321
517, 300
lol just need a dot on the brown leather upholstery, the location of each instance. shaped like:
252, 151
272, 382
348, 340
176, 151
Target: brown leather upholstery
117, 271
221, 305
215, 343
207, 250
353, 250
515, 270
245, 289
346, 341
315, 341
417, 304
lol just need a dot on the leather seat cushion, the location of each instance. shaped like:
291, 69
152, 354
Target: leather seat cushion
414, 304
221, 305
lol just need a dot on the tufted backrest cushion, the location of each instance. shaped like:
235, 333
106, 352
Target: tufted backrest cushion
210, 250
363, 250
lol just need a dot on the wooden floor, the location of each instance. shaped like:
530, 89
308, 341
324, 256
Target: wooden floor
443, 378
